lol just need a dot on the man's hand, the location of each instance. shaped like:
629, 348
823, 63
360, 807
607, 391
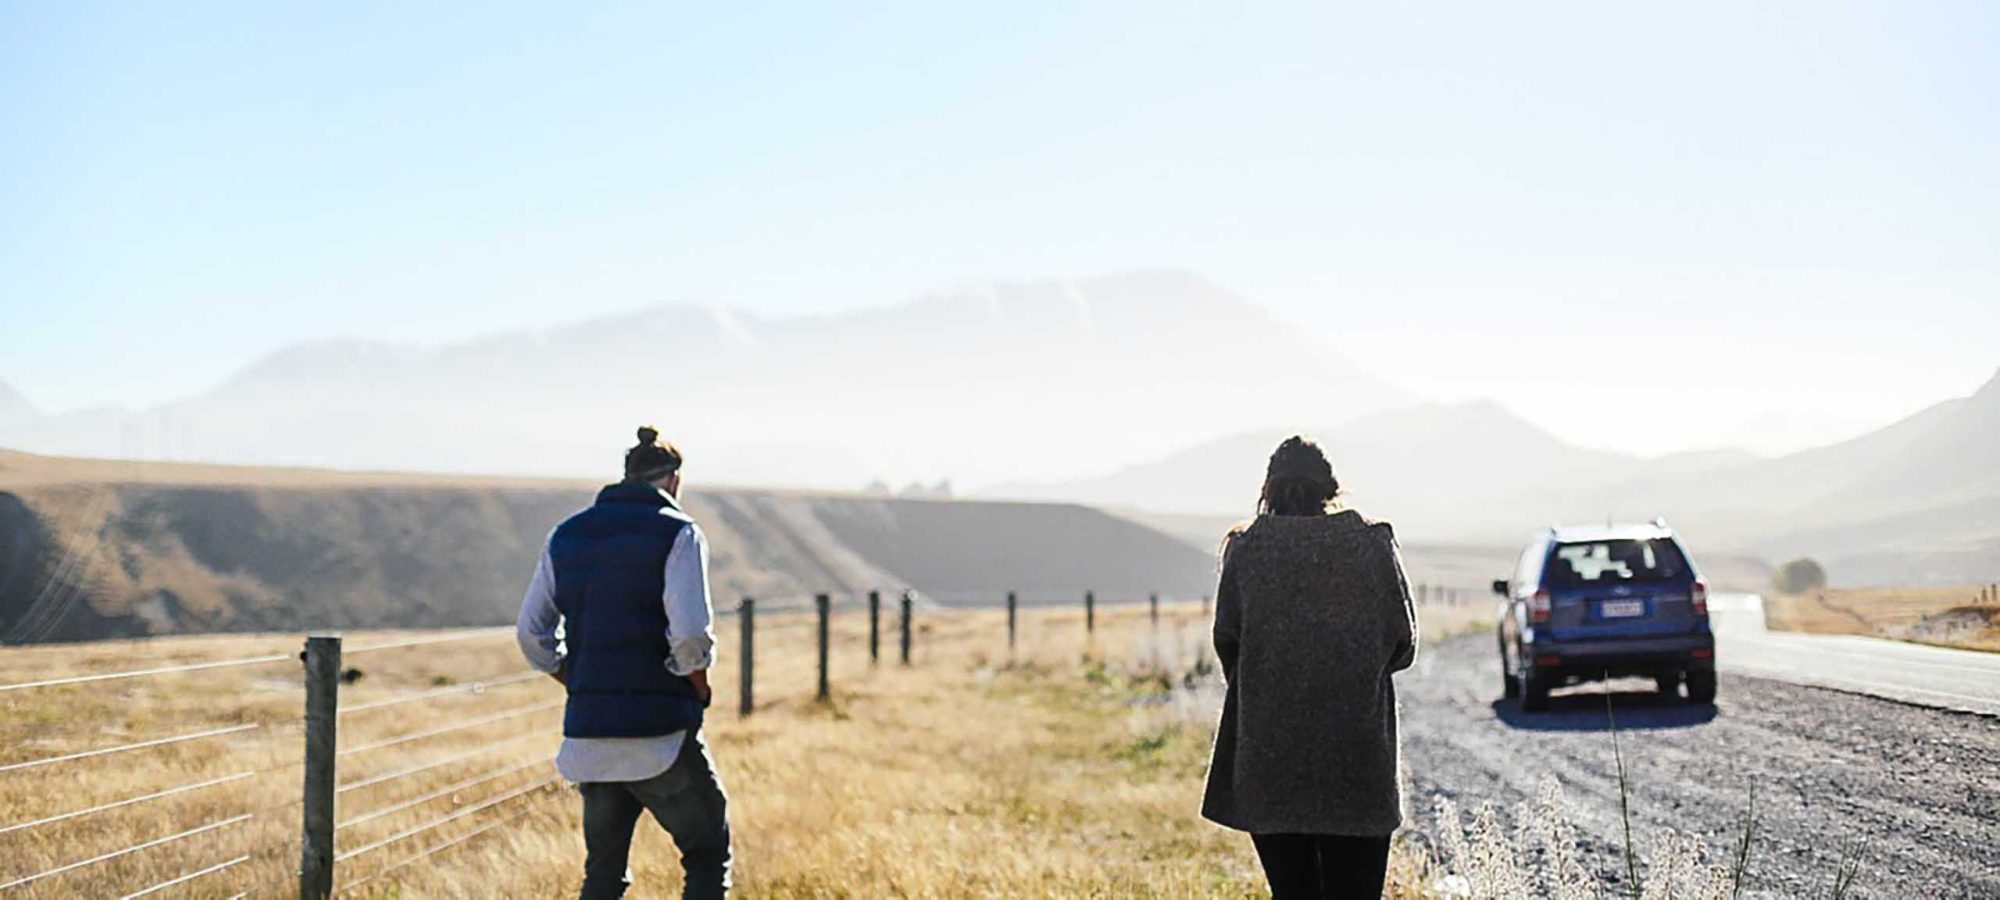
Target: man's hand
699, 677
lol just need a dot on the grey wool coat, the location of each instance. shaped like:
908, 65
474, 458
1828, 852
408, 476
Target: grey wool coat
1312, 616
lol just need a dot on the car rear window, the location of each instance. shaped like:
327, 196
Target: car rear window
1585, 563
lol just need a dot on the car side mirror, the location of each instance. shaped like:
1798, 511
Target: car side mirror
1500, 586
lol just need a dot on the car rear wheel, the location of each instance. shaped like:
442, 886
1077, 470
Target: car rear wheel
1669, 684
1534, 690
1509, 687
1701, 687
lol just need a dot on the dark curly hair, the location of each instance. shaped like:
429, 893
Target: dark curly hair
1299, 481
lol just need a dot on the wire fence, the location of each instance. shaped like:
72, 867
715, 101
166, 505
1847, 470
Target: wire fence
426, 760
210, 834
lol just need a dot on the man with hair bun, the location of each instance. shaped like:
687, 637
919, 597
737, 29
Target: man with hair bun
627, 580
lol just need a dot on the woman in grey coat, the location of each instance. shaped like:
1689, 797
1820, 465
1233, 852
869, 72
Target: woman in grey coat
1312, 616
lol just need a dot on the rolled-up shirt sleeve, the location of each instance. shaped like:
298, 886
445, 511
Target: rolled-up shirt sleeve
690, 618
535, 630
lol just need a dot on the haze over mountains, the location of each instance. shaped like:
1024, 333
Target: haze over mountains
1155, 391
1005, 382
1918, 500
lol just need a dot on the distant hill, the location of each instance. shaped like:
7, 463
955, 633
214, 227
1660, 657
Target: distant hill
999, 382
15, 410
1918, 500
93, 549
1436, 469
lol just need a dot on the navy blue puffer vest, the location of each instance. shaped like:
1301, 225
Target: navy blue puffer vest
610, 568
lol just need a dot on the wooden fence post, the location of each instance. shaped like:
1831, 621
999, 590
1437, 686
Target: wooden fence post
322, 658
1089, 612
908, 596
874, 627
745, 694
1010, 621
824, 603
1153, 604
1204, 606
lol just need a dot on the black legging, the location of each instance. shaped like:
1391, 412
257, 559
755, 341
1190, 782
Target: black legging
1312, 866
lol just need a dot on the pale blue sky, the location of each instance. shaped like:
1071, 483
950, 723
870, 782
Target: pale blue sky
1790, 206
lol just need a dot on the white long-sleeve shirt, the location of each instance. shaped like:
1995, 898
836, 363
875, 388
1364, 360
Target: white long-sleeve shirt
690, 643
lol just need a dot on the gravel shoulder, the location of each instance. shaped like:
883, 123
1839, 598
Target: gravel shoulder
1915, 790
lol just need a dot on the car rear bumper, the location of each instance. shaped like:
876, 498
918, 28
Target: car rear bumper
1625, 656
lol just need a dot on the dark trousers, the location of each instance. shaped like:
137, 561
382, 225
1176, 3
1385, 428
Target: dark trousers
1312, 866
686, 800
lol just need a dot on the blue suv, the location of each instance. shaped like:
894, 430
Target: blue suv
1604, 601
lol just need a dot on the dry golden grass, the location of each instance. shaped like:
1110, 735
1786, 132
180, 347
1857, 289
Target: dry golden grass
1069, 768
1949, 616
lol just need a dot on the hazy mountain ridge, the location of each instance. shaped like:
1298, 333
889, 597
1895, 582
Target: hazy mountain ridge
1416, 463
1916, 500
1068, 376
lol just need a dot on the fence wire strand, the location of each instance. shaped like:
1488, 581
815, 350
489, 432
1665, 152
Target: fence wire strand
71, 867
469, 723
481, 806
156, 742
182, 789
141, 673
187, 878
437, 848
439, 793
477, 687
413, 770
435, 639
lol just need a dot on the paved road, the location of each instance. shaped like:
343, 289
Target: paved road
1964, 680
1918, 789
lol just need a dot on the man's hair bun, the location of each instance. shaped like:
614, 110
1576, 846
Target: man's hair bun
651, 459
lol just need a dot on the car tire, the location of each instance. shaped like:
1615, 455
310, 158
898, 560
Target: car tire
1701, 687
1669, 684
1509, 687
1534, 690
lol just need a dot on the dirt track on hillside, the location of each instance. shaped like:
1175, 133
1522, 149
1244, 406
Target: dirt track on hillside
1919, 790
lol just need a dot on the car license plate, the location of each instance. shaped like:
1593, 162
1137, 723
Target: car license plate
1621, 609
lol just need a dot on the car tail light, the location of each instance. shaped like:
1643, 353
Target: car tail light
1699, 595
1538, 607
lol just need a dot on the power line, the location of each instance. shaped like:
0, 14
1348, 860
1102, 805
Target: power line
127, 802
157, 742
118, 853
